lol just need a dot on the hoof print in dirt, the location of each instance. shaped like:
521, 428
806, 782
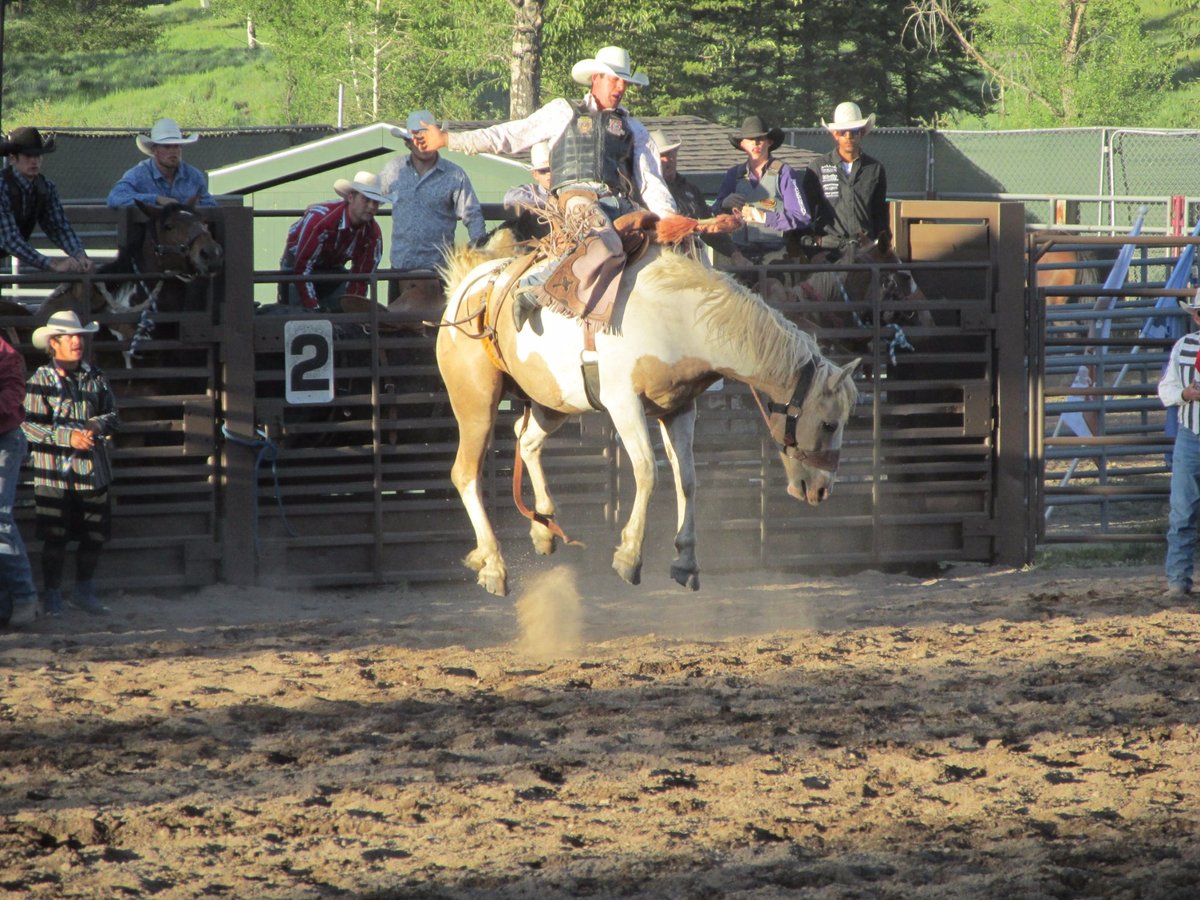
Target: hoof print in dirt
671, 779
764, 836
537, 793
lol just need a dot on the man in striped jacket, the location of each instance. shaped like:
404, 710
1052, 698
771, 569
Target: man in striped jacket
1180, 388
70, 412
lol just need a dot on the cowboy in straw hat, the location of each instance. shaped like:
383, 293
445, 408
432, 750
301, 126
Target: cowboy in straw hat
430, 196
853, 196
29, 198
765, 191
525, 204
328, 236
164, 177
1179, 387
595, 146
70, 410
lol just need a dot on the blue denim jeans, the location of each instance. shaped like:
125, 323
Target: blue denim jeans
1185, 508
16, 577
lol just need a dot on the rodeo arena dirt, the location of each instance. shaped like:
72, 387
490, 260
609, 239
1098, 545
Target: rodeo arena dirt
987, 732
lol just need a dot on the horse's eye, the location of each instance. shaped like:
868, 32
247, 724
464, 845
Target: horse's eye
829, 427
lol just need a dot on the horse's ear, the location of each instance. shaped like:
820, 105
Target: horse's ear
846, 371
191, 204
150, 209
884, 241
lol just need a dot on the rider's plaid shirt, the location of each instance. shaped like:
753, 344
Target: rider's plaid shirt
57, 403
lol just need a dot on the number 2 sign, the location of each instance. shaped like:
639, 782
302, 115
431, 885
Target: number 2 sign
308, 360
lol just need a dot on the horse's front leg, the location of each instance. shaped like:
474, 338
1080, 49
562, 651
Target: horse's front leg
630, 423
474, 387
531, 438
678, 431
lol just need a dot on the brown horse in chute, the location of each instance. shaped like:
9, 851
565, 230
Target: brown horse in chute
677, 328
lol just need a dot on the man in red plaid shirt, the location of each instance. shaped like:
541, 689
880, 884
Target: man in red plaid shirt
328, 236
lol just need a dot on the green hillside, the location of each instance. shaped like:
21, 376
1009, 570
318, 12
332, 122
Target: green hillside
202, 74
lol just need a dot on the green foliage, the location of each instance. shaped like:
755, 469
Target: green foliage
1115, 76
39, 26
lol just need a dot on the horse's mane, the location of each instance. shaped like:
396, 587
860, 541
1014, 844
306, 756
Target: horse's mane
736, 314
460, 260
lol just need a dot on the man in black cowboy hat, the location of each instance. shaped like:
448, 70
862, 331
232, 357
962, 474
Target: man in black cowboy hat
764, 190
28, 198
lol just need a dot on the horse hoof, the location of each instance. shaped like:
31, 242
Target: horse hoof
544, 546
494, 583
686, 577
630, 572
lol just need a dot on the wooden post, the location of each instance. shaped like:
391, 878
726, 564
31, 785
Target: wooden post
235, 327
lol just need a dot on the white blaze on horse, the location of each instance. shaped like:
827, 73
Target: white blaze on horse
677, 328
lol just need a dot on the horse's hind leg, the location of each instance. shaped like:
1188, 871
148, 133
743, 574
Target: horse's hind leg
531, 437
678, 432
630, 423
474, 386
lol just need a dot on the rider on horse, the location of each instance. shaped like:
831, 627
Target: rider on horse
603, 165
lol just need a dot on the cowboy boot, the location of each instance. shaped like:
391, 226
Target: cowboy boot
525, 304
85, 599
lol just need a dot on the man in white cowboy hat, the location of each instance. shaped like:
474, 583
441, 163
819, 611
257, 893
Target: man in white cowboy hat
164, 177
525, 204
599, 153
430, 196
853, 198
29, 198
764, 190
70, 412
1179, 387
328, 236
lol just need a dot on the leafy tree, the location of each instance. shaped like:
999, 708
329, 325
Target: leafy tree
1071, 62
39, 26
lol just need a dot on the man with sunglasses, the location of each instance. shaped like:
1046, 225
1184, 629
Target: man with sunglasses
853, 184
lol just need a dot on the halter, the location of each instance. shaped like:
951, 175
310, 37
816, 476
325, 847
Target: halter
826, 460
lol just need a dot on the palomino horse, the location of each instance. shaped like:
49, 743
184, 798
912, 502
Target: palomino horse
676, 329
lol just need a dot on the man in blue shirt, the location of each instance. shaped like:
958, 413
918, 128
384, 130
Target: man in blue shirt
164, 177
430, 196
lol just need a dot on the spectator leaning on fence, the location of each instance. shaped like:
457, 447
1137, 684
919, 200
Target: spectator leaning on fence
164, 177
328, 236
70, 412
1179, 388
29, 198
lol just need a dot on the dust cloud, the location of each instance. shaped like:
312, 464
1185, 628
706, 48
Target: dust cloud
550, 615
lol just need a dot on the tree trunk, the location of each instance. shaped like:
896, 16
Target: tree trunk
526, 70
205, 4
251, 34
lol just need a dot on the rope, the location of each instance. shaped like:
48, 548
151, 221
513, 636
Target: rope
266, 449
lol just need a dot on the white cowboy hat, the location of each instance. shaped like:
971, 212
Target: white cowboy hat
62, 322
1190, 304
539, 156
165, 131
415, 122
848, 117
608, 61
366, 183
662, 143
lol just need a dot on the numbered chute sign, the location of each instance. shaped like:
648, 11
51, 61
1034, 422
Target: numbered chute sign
308, 360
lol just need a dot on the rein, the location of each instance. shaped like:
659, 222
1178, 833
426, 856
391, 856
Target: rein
547, 521
826, 460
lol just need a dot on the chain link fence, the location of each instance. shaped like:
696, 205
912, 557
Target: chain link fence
1086, 179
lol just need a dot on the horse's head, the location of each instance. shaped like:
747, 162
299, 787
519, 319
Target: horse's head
808, 426
895, 285
179, 242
